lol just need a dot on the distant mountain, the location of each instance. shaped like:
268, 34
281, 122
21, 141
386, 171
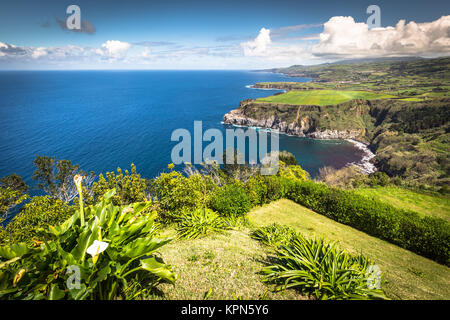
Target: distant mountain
298, 67
360, 69
374, 60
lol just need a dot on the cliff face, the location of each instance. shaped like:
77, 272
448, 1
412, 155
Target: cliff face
293, 120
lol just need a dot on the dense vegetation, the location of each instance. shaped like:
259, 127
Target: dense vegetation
50, 234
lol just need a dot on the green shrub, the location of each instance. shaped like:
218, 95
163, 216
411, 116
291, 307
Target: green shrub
378, 179
265, 189
427, 236
274, 235
199, 223
129, 188
292, 172
288, 158
176, 192
44, 272
40, 212
319, 268
231, 200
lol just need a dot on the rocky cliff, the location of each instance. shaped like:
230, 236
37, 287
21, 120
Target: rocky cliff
299, 121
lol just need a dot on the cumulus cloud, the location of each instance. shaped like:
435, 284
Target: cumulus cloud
39, 52
342, 36
61, 54
258, 47
263, 48
114, 49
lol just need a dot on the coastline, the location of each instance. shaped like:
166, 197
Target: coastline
364, 164
251, 86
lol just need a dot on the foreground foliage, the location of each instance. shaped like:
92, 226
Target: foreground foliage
319, 268
45, 272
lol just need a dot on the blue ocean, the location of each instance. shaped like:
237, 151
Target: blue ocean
102, 120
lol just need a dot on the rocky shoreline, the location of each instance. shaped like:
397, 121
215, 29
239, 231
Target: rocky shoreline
238, 118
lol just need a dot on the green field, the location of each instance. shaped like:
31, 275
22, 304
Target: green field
322, 97
221, 266
425, 204
407, 275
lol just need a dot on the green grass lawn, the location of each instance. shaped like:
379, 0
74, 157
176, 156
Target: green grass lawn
322, 97
433, 205
226, 265
408, 276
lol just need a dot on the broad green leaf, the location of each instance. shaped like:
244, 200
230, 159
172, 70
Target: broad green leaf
85, 239
102, 274
65, 226
79, 294
142, 246
12, 251
55, 293
108, 195
159, 269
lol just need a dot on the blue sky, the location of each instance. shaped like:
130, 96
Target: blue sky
212, 34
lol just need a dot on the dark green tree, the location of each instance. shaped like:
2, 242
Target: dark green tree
13, 191
55, 177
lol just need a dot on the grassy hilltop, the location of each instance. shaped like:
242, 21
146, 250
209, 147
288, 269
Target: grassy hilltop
322, 97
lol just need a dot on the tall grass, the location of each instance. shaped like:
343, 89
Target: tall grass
318, 268
199, 223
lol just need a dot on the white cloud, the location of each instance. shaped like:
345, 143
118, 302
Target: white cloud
264, 49
39, 52
342, 36
257, 47
114, 49
145, 53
